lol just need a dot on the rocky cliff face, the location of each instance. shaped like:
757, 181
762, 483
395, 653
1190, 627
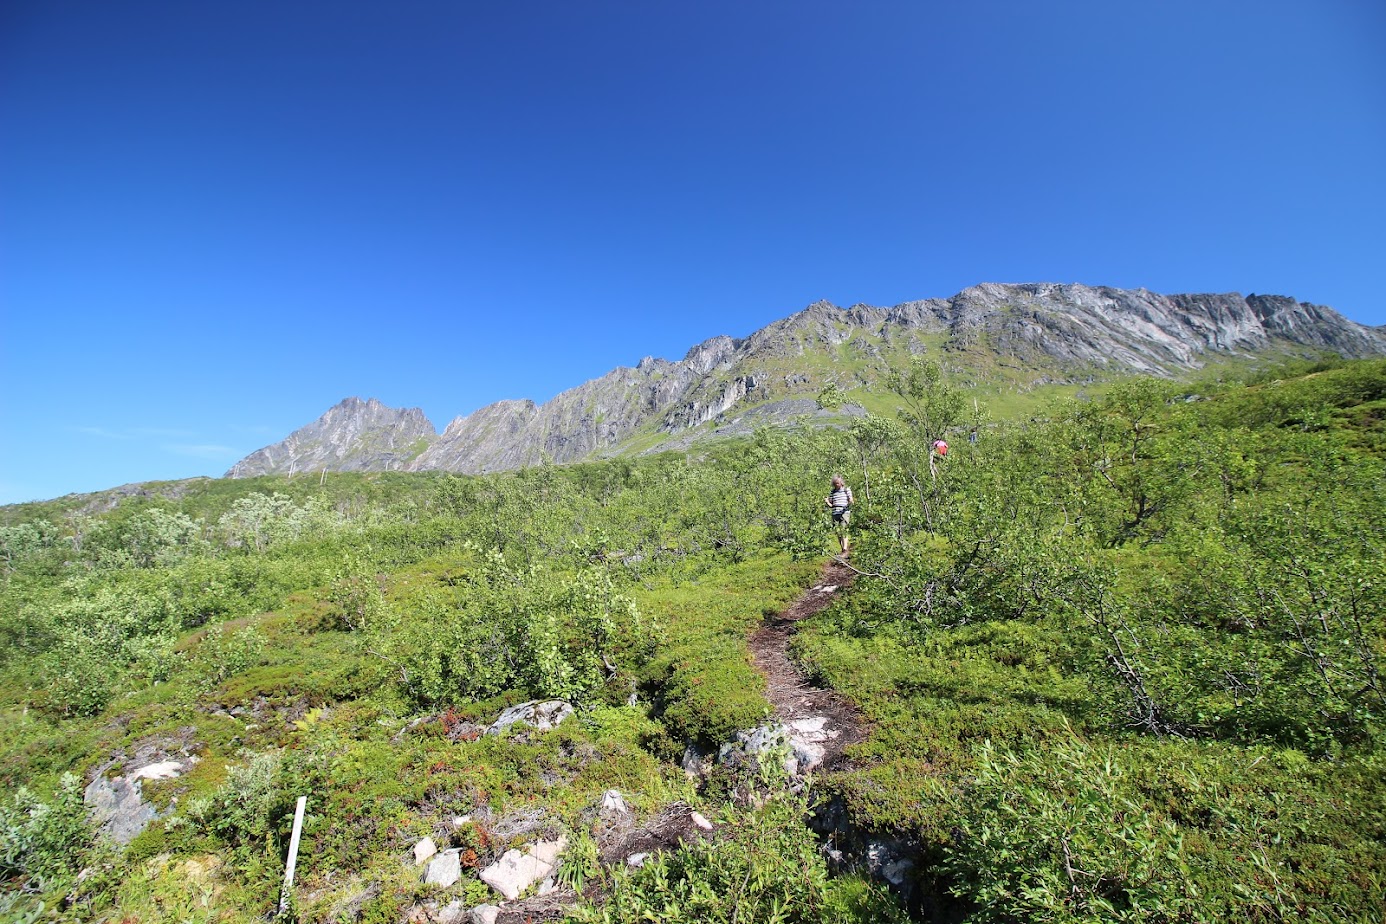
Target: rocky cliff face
1042, 332
354, 436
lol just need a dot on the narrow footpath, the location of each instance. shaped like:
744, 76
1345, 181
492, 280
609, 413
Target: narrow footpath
796, 701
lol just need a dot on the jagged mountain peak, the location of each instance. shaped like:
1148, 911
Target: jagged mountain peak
1037, 332
353, 435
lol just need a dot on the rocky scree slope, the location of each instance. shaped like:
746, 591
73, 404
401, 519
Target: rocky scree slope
1039, 333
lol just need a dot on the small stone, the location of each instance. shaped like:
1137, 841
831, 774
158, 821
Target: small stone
485, 914
613, 801
424, 849
514, 872
700, 821
547, 886
454, 912
637, 860
460, 820
445, 869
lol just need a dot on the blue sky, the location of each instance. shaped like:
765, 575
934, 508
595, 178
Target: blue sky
217, 220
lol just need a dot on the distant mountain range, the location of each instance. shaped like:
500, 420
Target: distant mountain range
1022, 335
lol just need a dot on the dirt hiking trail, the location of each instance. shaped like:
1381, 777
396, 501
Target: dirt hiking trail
796, 701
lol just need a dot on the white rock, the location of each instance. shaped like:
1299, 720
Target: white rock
445, 869
548, 851
485, 914
547, 886
460, 820
166, 770
613, 801
637, 860
424, 849
700, 821
514, 872
804, 757
541, 715
810, 726
454, 912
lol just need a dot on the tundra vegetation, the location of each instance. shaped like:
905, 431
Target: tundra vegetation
1121, 660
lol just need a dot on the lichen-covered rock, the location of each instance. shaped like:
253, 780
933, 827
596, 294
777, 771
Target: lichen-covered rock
800, 742
537, 714
454, 912
444, 869
117, 805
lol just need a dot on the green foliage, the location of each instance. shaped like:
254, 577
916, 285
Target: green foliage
831, 397
1057, 834
707, 689
766, 867
43, 840
224, 654
17, 908
260, 520
493, 624
581, 868
1119, 659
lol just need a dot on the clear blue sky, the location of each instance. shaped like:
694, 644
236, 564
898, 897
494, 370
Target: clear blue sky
217, 220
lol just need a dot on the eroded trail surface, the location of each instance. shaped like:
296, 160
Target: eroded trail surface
822, 715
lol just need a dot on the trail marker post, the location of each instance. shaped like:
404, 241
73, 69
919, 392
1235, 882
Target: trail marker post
293, 855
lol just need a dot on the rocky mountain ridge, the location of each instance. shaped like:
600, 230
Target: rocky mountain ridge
1032, 333
353, 436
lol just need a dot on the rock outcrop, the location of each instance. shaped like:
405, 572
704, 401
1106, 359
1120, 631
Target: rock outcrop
117, 805
1038, 333
354, 436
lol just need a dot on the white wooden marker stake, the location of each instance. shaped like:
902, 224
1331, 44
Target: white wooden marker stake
293, 855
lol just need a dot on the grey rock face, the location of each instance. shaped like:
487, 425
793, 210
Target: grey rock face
354, 436
117, 805
118, 808
1057, 332
536, 714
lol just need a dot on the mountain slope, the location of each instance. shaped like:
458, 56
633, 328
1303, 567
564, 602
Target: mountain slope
1024, 334
353, 436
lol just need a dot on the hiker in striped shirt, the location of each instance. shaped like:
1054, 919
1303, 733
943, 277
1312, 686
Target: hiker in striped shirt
839, 501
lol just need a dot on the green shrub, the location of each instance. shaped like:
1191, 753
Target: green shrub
1057, 835
765, 866
223, 654
43, 840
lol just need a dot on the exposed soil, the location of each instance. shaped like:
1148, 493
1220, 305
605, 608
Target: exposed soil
791, 694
